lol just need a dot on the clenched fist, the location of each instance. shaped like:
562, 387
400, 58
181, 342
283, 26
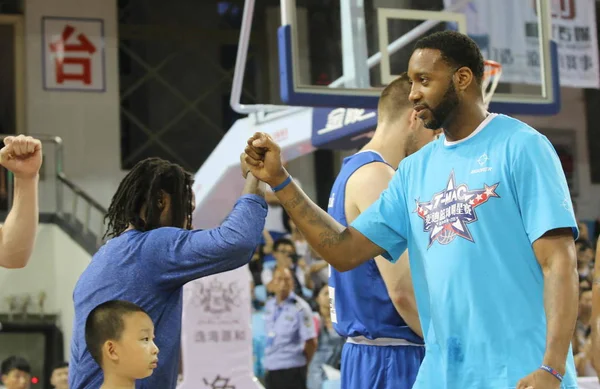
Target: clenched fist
22, 155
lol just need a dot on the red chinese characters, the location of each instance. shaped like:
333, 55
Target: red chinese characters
69, 50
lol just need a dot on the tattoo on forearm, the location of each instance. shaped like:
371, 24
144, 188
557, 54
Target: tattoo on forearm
332, 238
294, 202
329, 236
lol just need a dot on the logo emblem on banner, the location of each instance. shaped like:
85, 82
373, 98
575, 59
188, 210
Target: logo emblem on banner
216, 297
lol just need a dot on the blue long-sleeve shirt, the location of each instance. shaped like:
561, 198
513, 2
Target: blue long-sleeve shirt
150, 269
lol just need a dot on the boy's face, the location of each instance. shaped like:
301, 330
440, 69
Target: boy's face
16, 379
135, 355
60, 378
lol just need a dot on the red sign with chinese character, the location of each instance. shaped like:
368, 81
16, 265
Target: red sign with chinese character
74, 54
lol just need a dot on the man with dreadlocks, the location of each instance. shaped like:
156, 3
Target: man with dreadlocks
152, 254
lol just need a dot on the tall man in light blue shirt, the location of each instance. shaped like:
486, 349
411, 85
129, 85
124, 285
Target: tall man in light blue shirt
291, 335
486, 214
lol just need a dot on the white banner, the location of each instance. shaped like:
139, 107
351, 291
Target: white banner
507, 32
216, 332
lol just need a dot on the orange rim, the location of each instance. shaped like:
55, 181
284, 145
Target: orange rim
492, 68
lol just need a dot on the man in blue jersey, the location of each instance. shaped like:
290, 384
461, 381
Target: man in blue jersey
373, 306
153, 253
487, 217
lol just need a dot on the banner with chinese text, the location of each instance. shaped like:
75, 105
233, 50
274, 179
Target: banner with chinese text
216, 336
73, 54
507, 32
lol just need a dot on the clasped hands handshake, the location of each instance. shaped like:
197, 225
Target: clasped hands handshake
262, 158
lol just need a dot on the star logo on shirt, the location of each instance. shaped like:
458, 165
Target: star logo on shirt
447, 214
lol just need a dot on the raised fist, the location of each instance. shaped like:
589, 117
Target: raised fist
22, 155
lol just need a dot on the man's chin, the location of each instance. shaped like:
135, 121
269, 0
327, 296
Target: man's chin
431, 124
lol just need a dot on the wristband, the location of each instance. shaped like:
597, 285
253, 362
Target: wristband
283, 184
552, 371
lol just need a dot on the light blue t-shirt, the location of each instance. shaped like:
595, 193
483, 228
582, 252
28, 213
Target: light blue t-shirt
469, 212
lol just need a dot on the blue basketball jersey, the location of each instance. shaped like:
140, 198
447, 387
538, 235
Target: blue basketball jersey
469, 212
360, 303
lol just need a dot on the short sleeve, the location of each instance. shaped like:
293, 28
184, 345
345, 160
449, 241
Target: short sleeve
385, 222
541, 188
307, 323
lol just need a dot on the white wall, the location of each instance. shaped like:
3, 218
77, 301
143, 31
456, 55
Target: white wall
87, 122
573, 117
54, 268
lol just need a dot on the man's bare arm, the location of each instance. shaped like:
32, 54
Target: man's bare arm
22, 155
555, 252
398, 282
254, 186
363, 189
17, 235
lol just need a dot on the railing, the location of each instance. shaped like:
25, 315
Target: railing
63, 181
89, 204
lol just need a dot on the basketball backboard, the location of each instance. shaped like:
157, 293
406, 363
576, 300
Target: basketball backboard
343, 54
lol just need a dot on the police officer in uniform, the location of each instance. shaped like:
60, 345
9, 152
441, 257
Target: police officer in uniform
291, 335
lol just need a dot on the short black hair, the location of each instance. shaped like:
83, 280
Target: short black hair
283, 241
105, 322
15, 363
60, 365
457, 49
141, 187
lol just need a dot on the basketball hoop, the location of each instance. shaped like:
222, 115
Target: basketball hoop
491, 77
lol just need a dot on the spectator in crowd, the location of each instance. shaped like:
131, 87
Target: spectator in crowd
584, 233
585, 258
318, 269
581, 338
329, 349
291, 335
286, 257
295, 236
256, 264
16, 373
60, 376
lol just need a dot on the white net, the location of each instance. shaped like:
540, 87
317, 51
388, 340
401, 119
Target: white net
491, 77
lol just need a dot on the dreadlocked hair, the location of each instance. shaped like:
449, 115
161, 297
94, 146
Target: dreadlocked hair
144, 186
